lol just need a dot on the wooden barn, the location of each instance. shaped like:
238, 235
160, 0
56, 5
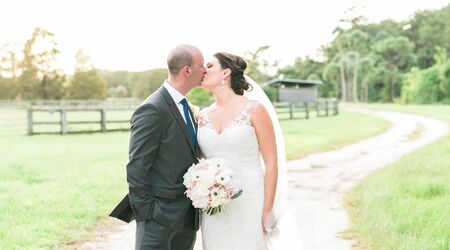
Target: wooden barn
296, 90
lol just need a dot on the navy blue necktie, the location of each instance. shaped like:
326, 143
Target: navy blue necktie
189, 124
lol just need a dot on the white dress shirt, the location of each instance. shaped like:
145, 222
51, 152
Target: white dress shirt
177, 97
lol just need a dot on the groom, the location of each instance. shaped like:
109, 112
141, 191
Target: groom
163, 145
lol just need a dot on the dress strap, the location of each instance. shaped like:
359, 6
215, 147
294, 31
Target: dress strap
248, 106
203, 119
245, 117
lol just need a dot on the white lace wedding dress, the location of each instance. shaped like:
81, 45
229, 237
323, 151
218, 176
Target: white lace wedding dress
238, 226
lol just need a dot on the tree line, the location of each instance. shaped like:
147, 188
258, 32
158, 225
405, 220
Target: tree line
390, 61
27, 71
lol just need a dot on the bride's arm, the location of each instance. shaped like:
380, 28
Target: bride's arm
266, 138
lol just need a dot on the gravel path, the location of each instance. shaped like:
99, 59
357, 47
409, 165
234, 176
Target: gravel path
318, 182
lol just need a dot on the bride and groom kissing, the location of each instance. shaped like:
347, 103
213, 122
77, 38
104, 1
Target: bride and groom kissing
167, 138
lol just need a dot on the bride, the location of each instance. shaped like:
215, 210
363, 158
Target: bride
244, 130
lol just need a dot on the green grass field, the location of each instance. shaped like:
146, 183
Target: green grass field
406, 205
55, 188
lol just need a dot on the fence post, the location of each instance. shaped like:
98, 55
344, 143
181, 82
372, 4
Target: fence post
291, 110
103, 120
306, 110
63, 122
30, 121
336, 109
317, 107
326, 107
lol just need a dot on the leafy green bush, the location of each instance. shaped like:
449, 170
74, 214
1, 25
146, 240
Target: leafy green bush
421, 86
271, 92
200, 97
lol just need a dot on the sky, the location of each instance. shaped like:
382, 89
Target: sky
137, 35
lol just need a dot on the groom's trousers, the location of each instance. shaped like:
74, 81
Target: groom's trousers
151, 235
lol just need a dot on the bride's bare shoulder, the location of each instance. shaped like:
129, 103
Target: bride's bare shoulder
254, 104
258, 111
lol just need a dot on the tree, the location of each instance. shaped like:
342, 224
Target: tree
5, 88
258, 68
396, 54
443, 65
146, 82
9, 71
367, 66
9, 61
430, 85
39, 78
428, 29
118, 92
200, 97
358, 42
421, 86
115, 79
341, 39
302, 68
331, 75
86, 83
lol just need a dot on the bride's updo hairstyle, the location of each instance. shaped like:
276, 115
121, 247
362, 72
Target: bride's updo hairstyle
237, 65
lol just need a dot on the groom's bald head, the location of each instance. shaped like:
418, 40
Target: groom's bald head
181, 56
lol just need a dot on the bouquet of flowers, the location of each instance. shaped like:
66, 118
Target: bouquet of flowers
210, 185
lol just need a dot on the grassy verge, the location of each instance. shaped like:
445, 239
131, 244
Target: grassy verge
406, 204
304, 137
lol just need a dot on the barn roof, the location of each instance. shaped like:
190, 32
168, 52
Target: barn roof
293, 82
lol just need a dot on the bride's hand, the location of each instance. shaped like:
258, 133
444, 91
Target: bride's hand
268, 221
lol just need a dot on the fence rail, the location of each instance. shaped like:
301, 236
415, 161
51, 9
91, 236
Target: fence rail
64, 123
322, 107
122, 103
49, 118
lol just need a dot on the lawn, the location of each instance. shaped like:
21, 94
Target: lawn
406, 205
55, 188
304, 137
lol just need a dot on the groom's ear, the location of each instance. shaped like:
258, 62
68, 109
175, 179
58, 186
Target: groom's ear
186, 70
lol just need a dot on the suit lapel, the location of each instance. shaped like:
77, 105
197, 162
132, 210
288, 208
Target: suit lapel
176, 114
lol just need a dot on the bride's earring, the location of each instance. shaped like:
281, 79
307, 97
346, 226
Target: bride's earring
222, 83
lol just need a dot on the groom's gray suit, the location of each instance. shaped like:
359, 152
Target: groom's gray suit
160, 153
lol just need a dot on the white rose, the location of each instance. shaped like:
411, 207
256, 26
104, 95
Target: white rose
223, 178
199, 200
218, 197
201, 189
187, 179
206, 177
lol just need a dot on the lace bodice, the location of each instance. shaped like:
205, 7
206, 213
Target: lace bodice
241, 218
243, 118
236, 141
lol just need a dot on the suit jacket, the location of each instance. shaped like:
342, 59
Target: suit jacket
160, 153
